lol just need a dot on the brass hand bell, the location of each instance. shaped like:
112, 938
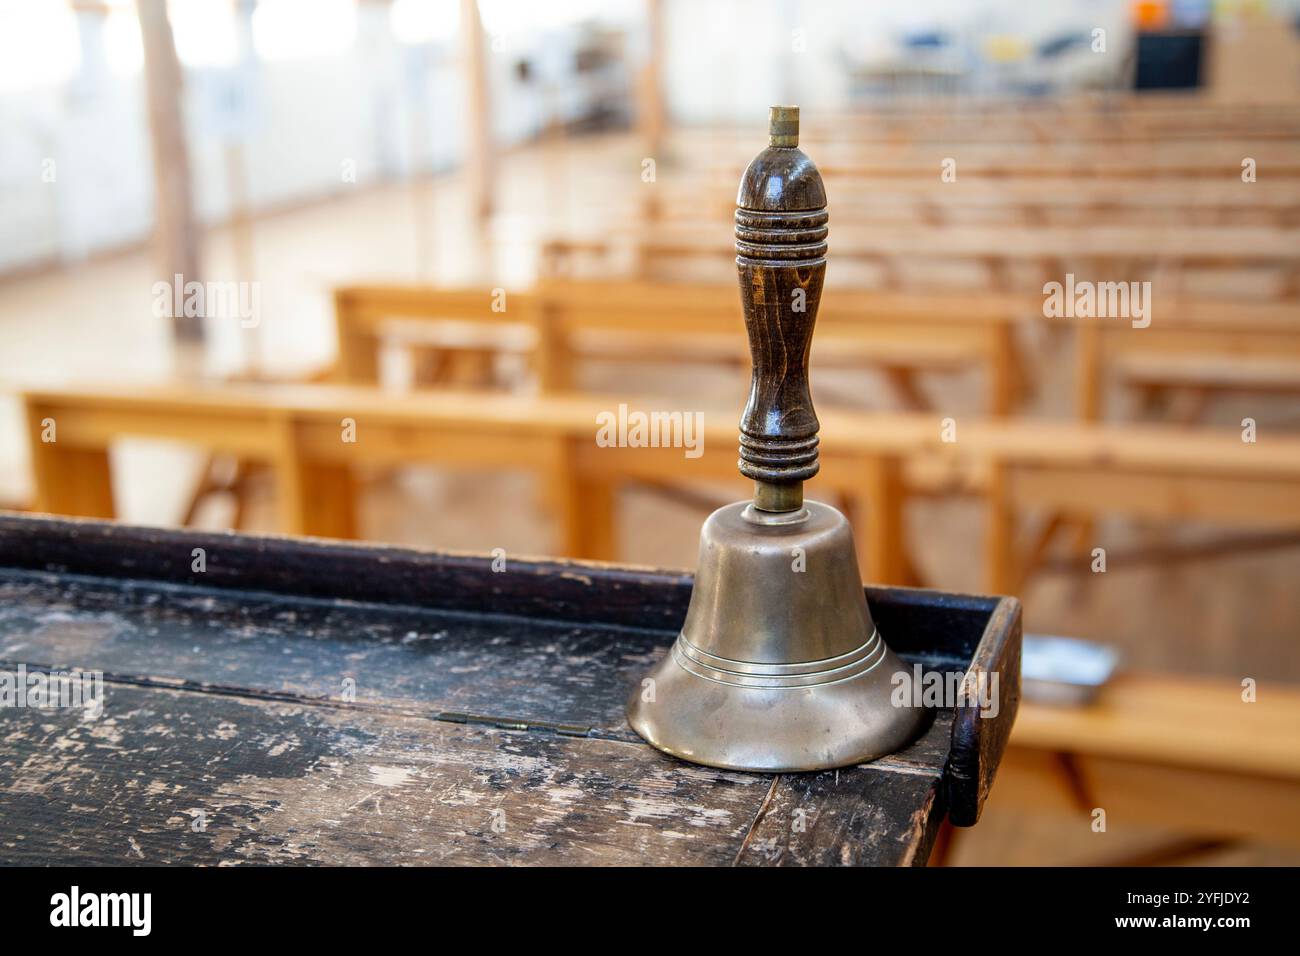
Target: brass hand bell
779, 666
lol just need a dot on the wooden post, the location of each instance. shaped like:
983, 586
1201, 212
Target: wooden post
585, 505
479, 161
999, 532
1088, 384
552, 355
237, 182
69, 480
176, 234
241, 239
313, 498
1003, 373
877, 513
358, 346
651, 115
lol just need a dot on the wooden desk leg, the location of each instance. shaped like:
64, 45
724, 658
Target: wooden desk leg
313, 498
553, 355
330, 501
78, 482
878, 512
999, 533
69, 480
594, 533
553, 369
1004, 374
358, 349
585, 506
1088, 371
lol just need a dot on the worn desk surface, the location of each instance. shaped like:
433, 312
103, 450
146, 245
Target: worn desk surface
320, 703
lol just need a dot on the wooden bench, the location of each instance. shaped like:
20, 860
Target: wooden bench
1233, 765
298, 431
1143, 471
1198, 346
1100, 254
561, 321
1081, 470
1107, 165
467, 335
872, 130
1082, 154
1111, 118
681, 197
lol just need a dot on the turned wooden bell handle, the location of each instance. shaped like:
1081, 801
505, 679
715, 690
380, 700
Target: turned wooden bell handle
781, 260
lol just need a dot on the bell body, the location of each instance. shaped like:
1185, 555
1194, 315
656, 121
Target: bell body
778, 666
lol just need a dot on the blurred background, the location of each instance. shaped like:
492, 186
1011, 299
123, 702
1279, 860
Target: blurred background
225, 221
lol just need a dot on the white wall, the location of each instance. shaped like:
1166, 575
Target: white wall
312, 113
726, 61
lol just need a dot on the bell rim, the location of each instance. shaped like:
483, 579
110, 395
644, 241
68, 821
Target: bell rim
852, 742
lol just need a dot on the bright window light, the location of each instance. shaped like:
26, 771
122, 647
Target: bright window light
504, 17
424, 21
204, 31
123, 48
286, 29
38, 44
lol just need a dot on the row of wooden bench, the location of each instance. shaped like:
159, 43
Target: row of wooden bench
1197, 347
1226, 165
1110, 118
1215, 161
1058, 201
871, 461
559, 322
1022, 259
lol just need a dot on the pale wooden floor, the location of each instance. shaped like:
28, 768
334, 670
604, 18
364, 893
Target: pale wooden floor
1230, 614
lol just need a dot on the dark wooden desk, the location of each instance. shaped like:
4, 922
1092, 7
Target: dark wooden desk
487, 725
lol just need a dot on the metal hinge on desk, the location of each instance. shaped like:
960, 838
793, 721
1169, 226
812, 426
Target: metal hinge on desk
513, 723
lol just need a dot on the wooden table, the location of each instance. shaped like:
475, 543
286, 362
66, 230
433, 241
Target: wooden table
310, 702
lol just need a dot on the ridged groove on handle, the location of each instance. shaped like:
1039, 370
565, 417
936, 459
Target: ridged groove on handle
781, 261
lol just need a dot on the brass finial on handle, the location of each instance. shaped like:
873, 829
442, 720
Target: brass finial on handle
781, 261
783, 126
